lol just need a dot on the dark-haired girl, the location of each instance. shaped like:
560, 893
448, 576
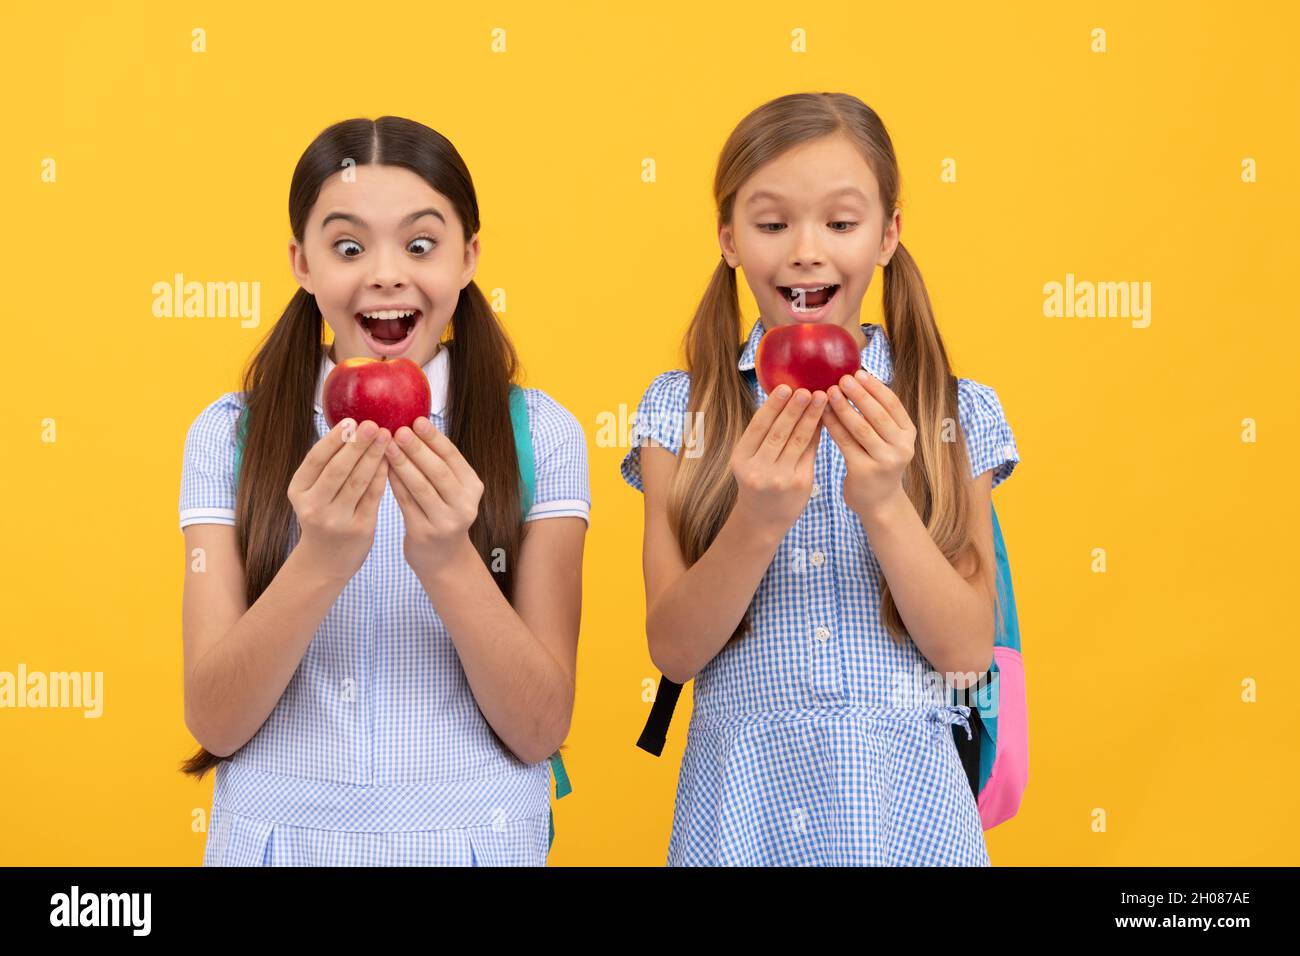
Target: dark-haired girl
381, 630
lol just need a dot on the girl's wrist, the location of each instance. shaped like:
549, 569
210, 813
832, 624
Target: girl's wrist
754, 532
317, 567
885, 512
442, 562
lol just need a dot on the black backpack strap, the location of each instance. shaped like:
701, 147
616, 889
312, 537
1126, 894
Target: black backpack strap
661, 712
661, 715
969, 750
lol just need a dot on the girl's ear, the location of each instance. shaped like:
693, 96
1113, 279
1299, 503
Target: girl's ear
727, 242
298, 265
471, 261
889, 241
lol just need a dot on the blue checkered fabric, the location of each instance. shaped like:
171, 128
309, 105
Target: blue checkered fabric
377, 752
815, 739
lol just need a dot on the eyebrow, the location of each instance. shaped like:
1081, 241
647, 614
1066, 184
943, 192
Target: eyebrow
358, 221
842, 191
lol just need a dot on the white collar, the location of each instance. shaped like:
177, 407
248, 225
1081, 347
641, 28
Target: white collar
437, 370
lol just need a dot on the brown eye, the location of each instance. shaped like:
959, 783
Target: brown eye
349, 242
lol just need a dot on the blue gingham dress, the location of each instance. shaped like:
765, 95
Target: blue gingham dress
815, 739
377, 753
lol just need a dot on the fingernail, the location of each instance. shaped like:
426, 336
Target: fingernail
782, 391
404, 436
383, 438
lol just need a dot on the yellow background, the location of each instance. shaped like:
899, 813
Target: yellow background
1115, 166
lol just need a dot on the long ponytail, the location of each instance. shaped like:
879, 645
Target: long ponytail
703, 489
280, 381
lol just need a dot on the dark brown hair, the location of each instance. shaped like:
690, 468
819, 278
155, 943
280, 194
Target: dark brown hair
280, 381
704, 489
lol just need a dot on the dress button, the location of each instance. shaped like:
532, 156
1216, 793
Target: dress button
818, 559
816, 489
349, 689
822, 634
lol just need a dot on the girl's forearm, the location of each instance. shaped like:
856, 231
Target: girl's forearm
949, 619
233, 688
522, 690
695, 616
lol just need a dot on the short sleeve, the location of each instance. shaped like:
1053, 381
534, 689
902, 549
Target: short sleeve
208, 465
989, 441
660, 415
559, 460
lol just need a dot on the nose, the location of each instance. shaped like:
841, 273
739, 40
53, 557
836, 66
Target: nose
807, 250
387, 269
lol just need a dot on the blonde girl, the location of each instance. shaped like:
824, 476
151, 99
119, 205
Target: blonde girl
824, 595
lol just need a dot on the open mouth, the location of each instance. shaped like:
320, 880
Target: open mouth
808, 299
389, 330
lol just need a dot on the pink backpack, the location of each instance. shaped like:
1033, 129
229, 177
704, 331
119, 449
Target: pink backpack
996, 756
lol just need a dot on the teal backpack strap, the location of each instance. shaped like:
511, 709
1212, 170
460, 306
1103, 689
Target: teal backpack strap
562, 786
562, 789
528, 480
1007, 635
523, 445
978, 753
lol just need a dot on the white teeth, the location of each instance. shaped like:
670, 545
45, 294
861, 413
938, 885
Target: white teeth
799, 293
389, 314
796, 290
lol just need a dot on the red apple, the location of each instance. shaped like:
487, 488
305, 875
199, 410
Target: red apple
807, 355
391, 393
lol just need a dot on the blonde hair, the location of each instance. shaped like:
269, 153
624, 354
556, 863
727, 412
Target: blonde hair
703, 489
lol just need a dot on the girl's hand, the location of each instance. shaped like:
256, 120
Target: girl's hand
438, 493
336, 493
877, 439
773, 461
